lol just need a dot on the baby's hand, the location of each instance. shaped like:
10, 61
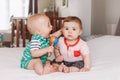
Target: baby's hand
59, 59
50, 49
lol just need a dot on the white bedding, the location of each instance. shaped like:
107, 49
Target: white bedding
105, 53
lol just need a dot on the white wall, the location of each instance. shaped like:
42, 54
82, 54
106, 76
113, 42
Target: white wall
98, 16
4, 22
104, 12
17, 8
112, 11
80, 8
43, 4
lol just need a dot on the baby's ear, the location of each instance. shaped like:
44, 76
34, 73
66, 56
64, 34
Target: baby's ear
80, 32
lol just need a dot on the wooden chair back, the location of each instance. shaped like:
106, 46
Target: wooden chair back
20, 34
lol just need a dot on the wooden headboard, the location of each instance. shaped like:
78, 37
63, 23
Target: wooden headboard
20, 35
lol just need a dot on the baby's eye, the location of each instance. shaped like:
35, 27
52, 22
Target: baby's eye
66, 28
74, 29
48, 25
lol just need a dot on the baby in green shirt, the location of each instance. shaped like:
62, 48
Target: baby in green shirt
36, 52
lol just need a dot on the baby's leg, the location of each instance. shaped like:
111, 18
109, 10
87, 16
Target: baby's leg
55, 68
36, 65
47, 68
66, 69
76, 66
63, 68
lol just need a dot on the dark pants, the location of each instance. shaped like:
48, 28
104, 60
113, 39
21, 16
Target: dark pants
78, 64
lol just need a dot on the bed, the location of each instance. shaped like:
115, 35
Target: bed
105, 53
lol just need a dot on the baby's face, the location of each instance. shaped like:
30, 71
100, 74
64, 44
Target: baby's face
45, 26
71, 30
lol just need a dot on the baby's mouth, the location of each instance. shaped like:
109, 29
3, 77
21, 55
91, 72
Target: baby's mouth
69, 35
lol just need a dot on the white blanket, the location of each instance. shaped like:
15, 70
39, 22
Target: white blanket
104, 51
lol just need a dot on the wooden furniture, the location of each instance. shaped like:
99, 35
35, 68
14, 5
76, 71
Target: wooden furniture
19, 31
51, 14
56, 22
6, 44
20, 34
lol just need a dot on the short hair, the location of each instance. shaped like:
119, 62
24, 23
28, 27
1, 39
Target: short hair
32, 20
73, 19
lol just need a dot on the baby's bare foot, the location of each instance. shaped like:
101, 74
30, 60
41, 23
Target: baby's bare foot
66, 69
54, 69
74, 69
47, 68
61, 68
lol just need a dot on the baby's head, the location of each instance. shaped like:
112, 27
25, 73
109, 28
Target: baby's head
72, 27
73, 19
39, 24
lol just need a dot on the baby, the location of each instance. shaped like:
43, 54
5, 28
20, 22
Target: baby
72, 53
36, 52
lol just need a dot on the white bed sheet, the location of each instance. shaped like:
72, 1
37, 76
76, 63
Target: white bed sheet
105, 53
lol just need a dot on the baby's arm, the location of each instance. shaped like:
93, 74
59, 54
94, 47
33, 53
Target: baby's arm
40, 52
58, 56
86, 59
57, 33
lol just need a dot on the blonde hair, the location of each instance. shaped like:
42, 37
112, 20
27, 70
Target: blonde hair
73, 19
33, 21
